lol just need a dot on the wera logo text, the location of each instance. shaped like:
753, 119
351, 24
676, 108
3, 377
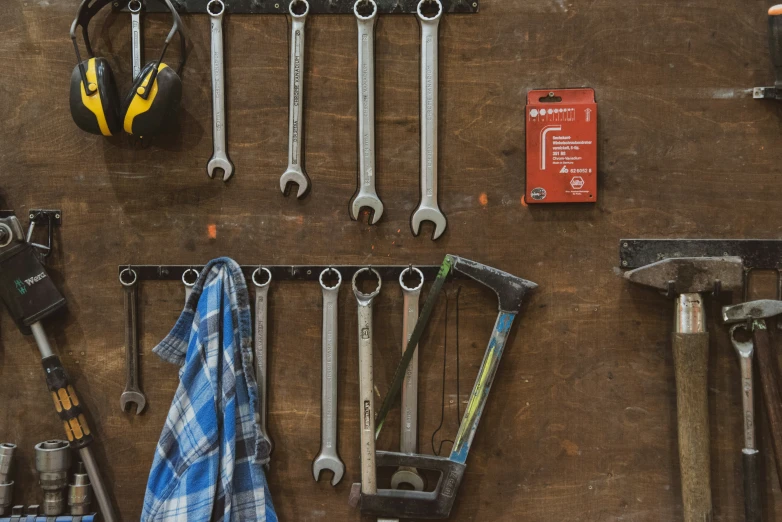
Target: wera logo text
30, 281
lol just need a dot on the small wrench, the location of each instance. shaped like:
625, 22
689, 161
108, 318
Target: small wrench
295, 172
428, 209
134, 6
132, 393
216, 9
408, 438
328, 458
188, 284
366, 195
366, 383
261, 357
752, 504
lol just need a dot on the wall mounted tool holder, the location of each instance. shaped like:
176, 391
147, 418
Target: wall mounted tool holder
281, 6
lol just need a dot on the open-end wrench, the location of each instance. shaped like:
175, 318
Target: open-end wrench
132, 394
216, 9
428, 209
134, 6
366, 195
366, 382
328, 458
295, 173
744, 350
261, 356
191, 272
408, 438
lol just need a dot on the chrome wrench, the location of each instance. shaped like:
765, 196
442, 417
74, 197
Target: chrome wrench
428, 209
328, 458
216, 9
366, 195
189, 284
134, 6
261, 357
366, 383
132, 393
295, 173
408, 438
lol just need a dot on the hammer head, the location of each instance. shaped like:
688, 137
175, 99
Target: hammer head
689, 275
510, 289
760, 309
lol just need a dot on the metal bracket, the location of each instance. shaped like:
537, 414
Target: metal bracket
50, 218
281, 6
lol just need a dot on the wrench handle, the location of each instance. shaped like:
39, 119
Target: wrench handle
770, 387
218, 84
131, 336
429, 108
408, 438
135, 35
366, 399
752, 505
690, 356
366, 102
296, 92
748, 402
328, 420
261, 359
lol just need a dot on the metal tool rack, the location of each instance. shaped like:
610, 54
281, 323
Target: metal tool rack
316, 6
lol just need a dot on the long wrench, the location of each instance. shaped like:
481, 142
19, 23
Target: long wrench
295, 172
366, 195
744, 350
428, 209
189, 284
366, 383
216, 9
134, 6
132, 393
261, 357
408, 438
328, 458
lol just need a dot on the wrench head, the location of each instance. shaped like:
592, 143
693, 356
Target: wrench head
405, 475
298, 177
331, 463
434, 215
220, 163
369, 201
134, 397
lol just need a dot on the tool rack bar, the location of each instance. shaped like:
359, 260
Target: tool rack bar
281, 6
284, 272
756, 253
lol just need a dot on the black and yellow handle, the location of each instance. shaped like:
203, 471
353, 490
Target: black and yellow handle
67, 403
775, 42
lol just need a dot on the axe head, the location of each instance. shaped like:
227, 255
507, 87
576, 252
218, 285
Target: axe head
689, 275
760, 309
509, 288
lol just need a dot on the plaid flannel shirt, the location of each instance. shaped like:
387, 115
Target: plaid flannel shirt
205, 468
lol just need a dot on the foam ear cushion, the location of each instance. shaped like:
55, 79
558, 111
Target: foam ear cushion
163, 104
88, 118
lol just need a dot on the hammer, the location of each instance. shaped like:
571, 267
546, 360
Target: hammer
685, 279
755, 313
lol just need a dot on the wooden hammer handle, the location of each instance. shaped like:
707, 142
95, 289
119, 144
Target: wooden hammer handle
769, 384
691, 362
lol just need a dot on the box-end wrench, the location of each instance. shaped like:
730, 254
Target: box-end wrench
744, 350
328, 458
262, 283
408, 438
216, 9
295, 173
366, 382
134, 6
132, 394
366, 195
189, 284
428, 209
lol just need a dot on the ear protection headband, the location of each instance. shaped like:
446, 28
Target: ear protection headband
153, 99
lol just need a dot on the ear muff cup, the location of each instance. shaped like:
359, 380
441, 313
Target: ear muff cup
149, 117
98, 113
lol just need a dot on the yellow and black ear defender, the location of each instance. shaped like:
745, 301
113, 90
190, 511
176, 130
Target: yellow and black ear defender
153, 100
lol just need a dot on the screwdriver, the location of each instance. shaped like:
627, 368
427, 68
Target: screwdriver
775, 48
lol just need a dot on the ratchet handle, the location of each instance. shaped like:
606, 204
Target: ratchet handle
67, 403
770, 386
775, 41
691, 358
751, 486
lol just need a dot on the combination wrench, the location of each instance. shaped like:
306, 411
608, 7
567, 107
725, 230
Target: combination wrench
132, 393
366, 383
134, 6
189, 284
261, 356
366, 195
408, 438
216, 9
428, 209
328, 458
295, 173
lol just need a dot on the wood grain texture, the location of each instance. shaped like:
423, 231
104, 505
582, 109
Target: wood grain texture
581, 421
